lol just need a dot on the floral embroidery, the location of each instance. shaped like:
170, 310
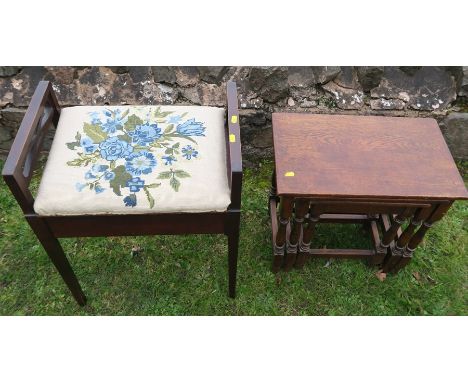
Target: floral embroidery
168, 159
88, 146
188, 152
145, 134
191, 128
113, 148
121, 147
135, 184
141, 162
130, 200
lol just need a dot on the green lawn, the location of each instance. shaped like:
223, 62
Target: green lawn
188, 275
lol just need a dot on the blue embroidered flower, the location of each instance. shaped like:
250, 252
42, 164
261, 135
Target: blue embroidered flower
89, 175
130, 201
114, 121
189, 152
191, 128
95, 119
98, 189
174, 119
141, 162
80, 186
96, 171
97, 168
113, 148
109, 175
145, 134
168, 159
135, 184
88, 145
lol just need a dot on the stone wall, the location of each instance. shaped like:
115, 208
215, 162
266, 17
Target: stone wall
439, 92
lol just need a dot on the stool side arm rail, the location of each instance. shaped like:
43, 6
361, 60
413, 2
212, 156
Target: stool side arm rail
43, 111
234, 155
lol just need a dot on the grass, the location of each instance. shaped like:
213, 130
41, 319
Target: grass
188, 275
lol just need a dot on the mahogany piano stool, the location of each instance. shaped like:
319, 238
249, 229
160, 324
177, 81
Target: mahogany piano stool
378, 171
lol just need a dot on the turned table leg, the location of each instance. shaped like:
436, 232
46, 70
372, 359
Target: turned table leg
301, 208
307, 235
389, 235
285, 211
417, 238
420, 215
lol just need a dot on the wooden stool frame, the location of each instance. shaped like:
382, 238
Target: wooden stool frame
42, 114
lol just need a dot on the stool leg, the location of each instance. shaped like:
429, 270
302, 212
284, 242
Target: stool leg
233, 249
57, 256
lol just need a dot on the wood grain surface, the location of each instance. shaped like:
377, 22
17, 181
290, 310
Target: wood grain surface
342, 156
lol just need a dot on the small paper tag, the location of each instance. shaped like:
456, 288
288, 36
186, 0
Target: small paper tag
289, 173
232, 138
234, 119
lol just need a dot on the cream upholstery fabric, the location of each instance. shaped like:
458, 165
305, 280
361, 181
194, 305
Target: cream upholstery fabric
136, 159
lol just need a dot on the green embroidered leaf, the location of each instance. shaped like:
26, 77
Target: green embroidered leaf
94, 132
160, 114
112, 165
126, 138
176, 145
165, 175
175, 183
132, 122
153, 185
168, 151
120, 180
183, 136
150, 198
182, 174
75, 162
168, 129
164, 114
125, 113
73, 145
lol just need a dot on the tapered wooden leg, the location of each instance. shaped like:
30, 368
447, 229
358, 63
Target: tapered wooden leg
233, 249
57, 256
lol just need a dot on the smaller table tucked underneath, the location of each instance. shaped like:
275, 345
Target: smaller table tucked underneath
375, 170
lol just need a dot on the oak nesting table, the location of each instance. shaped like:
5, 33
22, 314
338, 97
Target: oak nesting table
378, 171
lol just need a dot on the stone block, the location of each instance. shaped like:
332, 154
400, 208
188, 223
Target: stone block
269, 82
455, 130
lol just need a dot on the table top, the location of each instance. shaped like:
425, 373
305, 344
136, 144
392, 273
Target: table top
343, 156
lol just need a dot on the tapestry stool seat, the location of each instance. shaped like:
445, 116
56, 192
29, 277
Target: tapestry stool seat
134, 160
